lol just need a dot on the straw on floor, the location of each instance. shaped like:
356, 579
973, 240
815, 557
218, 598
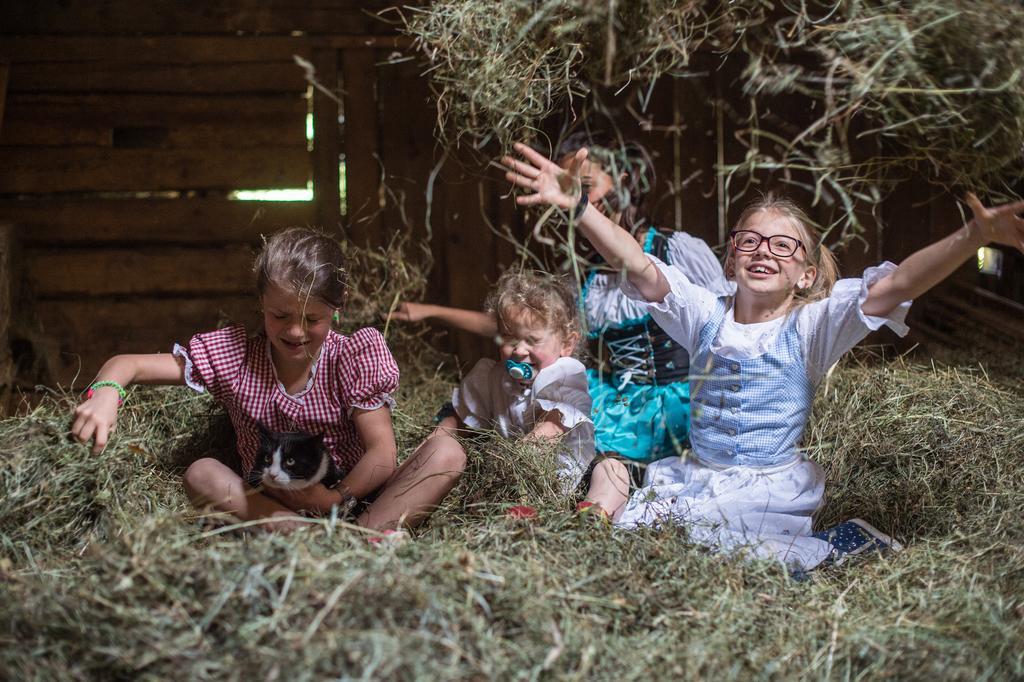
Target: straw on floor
106, 572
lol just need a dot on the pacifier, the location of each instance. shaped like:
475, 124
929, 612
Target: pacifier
520, 371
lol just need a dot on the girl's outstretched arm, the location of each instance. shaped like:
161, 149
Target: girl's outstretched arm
472, 321
925, 268
96, 418
553, 186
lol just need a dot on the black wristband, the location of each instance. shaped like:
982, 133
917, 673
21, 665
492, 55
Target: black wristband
581, 207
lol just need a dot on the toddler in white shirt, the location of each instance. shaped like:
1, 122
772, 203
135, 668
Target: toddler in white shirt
536, 390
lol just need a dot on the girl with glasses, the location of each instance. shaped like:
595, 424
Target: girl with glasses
756, 359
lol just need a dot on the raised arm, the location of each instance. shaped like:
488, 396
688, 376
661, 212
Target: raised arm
472, 321
925, 268
95, 419
551, 185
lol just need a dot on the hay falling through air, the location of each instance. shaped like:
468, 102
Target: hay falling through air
890, 90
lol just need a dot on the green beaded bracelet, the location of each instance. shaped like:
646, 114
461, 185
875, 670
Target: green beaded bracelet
121, 393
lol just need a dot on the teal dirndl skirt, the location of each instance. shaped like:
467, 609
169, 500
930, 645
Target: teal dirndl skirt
641, 422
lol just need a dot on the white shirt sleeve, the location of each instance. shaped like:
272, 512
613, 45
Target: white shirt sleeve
684, 311
563, 387
473, 399
698, 262
832, 326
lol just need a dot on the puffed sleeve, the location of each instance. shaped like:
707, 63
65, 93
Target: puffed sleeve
214, 359
369, 373
563, 387
834, 325
472, 399
684, 310
698, 262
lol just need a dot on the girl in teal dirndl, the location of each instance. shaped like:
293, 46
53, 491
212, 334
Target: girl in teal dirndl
637, 374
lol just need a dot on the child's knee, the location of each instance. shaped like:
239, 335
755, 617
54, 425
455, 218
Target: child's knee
203, 473
445, 455
611, 469
452, 458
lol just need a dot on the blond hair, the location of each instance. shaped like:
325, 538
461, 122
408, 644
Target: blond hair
546, 297
816, 253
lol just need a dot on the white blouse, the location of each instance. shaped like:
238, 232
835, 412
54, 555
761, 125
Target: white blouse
604, 303
827, 328
488, 398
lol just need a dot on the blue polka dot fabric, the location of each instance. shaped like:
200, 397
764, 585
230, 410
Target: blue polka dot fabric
854, 537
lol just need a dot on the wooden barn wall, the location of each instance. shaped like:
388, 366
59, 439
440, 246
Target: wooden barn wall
125, 125
118, 156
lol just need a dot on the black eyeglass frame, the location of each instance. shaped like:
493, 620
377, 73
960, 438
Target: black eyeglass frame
762, 238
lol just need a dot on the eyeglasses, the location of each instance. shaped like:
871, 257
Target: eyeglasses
780, 245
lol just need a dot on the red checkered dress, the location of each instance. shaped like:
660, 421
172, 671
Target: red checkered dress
352, 371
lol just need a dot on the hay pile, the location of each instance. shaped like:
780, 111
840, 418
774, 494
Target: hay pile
891, 90
498, 69
106, 573
900, 90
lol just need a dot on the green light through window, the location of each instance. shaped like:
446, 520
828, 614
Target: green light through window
990, 261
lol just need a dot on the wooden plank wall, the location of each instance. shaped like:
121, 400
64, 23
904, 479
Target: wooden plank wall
127, 124
126, 127
118, 156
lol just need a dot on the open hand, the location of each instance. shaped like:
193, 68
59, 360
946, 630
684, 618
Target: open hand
547, 181
1000, 224
95, 419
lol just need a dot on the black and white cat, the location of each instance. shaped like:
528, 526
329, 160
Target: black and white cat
292, 460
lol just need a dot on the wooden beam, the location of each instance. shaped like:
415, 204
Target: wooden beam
8, 288
326, 139
367, 41
1010, 307
259, 17
86, 332
98, 222
468, 246
408, 151
118, 109
4, 75
219, 135
36, 170
72, 272
988, 311
175, 49
37, 133
971, 327
129, 76
361, 145
149, 50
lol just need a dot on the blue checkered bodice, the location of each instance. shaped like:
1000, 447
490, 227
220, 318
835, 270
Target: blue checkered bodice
750, 412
